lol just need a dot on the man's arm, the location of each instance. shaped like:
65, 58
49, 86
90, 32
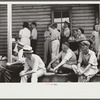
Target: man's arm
66, 58
57, 57
89, 66
49, 66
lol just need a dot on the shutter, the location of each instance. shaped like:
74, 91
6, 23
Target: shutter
83, 16
39, 13
3, 30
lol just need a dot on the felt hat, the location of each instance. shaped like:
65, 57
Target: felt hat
66, 22
86, 42
27, 49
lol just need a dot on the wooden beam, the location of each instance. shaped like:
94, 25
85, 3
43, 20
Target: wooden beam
99, 13
9, 32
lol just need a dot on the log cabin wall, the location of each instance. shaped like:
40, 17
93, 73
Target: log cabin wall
81, 16
84, 16
39, 13
3, 29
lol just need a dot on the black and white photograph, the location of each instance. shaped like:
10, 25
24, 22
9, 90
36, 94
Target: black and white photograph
49, 43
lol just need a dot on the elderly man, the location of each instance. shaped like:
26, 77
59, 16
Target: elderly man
68, 58
87, 63
34, 66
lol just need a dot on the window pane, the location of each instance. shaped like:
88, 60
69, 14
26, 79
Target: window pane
65, 16
57, 14
57, 20
59, 26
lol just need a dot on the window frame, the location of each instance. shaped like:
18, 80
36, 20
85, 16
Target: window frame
70, 16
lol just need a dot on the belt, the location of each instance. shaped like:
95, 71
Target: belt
55, 39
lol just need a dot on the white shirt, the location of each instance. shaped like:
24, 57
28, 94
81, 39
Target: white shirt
67, 58
55, 34
25, 36
34, 33
34, 64
91, 57
66, 32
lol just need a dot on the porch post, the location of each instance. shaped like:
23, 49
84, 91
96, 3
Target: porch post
99, 13
9, 32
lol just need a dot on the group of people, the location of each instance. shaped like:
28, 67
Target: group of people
57, 52
23, 50
83, 61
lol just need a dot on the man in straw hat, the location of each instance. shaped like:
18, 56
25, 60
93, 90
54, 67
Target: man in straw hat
68, 58
87, 63
34, 66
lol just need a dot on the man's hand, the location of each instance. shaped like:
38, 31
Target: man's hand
8, 64
49, 66
98, 55
22, 73
55, 69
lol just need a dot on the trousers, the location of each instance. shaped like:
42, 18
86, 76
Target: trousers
55, 48
33, 44
47, 51
34, 78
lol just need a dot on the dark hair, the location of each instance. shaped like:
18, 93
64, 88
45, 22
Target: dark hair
34, 23
66, 43
55, 25
94, 26
81, 29
25, 24
67, 24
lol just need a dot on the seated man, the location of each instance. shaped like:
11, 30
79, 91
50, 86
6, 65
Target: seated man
87, 63
68, 58
34, 66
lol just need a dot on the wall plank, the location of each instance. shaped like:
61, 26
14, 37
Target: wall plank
83, 16
39, 13
3, 29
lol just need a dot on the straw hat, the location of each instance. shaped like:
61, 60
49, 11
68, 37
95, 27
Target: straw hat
27, 49
86, 42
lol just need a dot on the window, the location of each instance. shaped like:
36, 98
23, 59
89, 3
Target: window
60, 17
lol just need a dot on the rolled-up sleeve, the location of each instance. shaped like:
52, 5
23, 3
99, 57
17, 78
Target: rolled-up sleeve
66, 58
93, 59
80, 58
59, 55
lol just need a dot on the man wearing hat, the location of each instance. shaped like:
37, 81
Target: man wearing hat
87, 62
34, 66
68, 58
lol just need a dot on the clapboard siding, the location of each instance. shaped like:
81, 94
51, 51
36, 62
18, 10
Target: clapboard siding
83, 16
3, 30
39, 13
